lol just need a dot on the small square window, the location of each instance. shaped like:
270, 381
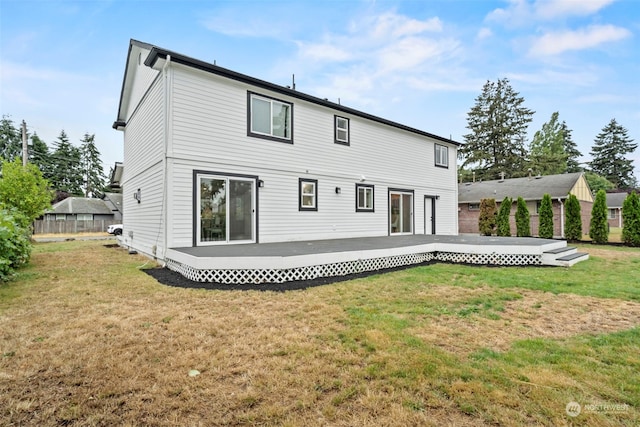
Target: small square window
307, 194
442, 156
364, 198
270, 118
341, 134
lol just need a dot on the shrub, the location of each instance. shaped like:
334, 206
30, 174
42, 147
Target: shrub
487, 220
545, 215
503, 227
631, 220
523, 228
573, 227
599, 227
15, 246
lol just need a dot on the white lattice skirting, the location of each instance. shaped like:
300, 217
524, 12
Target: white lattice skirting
260, 276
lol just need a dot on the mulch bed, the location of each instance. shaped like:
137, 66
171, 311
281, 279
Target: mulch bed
171, 278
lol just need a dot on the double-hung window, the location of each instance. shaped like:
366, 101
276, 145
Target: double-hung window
364, 198
442, 156
341, 133
270, 118
307, 194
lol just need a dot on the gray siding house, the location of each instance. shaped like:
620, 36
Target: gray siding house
215, 157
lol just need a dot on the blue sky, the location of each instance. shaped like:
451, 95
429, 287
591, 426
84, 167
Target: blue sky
420, 63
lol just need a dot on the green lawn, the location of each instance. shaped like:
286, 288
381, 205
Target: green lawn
87, 338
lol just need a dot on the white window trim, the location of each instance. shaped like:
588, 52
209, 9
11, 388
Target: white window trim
250, 132
439, 148
338, 140
366, 188
302, 207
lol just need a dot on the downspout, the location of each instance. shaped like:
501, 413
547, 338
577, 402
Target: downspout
561, 217
167, 128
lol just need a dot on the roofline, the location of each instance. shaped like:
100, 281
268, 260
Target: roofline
157, 53
118, 124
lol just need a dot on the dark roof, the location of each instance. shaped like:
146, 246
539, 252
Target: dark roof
80, 205
158, 53
529, 188
615, 200
116, 175
113, 201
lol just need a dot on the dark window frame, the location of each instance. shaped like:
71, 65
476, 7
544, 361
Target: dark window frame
373, 198
302, 208
252, 134
335, 130
436, 157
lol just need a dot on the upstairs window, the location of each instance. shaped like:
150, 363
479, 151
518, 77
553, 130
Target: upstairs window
442, 156
270, 118
364, 198
341, 134
307, 194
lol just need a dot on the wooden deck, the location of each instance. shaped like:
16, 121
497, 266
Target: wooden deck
306, 260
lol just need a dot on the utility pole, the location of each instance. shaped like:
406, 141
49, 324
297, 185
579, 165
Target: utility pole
25, 149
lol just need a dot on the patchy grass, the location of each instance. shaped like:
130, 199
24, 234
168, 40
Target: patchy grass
89, 339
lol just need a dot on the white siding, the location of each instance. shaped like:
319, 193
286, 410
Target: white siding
143, 169
142, 77
209, 132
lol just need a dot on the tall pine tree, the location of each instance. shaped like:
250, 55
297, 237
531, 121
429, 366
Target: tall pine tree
570, 150
66, 173
94, 179
547, 149
39, 155
609, 152
498, 123
10, 140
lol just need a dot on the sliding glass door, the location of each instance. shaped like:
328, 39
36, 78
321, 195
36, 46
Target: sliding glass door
401, 212
226, 210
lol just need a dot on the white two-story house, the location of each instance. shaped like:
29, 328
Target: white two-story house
215, 157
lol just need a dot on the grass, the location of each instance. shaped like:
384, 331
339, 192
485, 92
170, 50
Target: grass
89, 339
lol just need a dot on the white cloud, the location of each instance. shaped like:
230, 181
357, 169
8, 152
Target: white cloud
549, 9
324, 51
526, 12
554, 43
484, 33
392, 25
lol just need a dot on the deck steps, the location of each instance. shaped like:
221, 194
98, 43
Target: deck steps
563, 257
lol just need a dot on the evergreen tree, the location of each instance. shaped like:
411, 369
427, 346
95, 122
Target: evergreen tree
609, 155
503, 225
498, 123
570, 150
523, 226
67, 169
487, 219
631, 220
40, 156
545, 215
573, 216
93, 173
599, 227
10, 140
547, 149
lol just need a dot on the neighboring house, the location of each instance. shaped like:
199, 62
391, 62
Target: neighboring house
215, 157
614, 205
79, 209
531, 189
114, 202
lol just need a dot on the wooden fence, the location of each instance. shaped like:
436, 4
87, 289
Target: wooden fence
72, 226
